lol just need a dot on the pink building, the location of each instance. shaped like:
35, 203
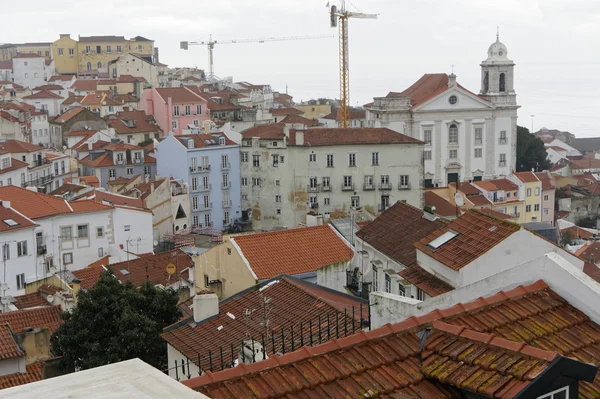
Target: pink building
175, 108
548, 189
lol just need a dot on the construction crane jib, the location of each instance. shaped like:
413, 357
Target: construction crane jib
339, 17
210, 44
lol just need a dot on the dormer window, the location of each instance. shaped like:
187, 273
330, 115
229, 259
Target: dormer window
190, 143
221, 140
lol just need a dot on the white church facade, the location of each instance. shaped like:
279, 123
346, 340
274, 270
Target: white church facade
467, 136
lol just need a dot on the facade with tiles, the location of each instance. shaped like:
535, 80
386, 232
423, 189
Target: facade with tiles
210, 165
467, 136
288, 173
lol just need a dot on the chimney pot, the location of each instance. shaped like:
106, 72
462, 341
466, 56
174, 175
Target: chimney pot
205, 306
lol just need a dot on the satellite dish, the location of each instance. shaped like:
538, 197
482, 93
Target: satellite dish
5, 300
155, 243
458, 199
4, 287
50, 298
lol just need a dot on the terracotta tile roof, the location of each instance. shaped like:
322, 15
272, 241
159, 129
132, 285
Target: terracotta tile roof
85, 85
577, 232
81, 133
14, 165
120, 200
353, 114
427, 87
49, 87
100, 161
112, 38
495, 214
87, 277
127, 79
479, 200
204, 140
33, 373
19, 146
107, 82
6, 64
590, 252
30, 301
526, 177
442, 206
350, 136
31, 204
43, 317
477, 234
9, 348
498, 184
285, 111
424, 280
298, 119
274, 131
8, 214
585, 163
65, 117
179, 95
296, 303
153, 268
85, 206
127, 122
396, 230
62, 78
562, 214
293, 251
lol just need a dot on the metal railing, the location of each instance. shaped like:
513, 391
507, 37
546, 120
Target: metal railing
348, 187
312, 189
385, 186
368, 186
325, 188
403, 186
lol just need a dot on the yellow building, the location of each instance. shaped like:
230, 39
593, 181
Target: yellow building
531, 187
95, 52
43, 49
141, 46
7, 51
64, 52
314, 111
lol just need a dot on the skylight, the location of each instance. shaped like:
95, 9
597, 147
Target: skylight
10, 222
441, 240
125, 272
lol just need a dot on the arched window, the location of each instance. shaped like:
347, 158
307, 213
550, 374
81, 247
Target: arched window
502, 82
453, 134
486, 82
99, 65
89, 66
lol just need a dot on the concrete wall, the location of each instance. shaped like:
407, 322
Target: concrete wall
29, 71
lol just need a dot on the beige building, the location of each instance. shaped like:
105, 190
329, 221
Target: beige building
136, 66
64, 52
315, 111
287, 173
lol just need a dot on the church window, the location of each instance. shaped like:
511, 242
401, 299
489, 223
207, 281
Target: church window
502, 82
478, 135
478, 152
486, 82
453, 134
453, 100
427, 136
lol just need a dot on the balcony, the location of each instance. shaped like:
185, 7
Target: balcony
368, 186
385, 186
403, 186
348, 187
206, 207
226, 166
312, 188
200, 169
325, 188
226, 186
498, 199
227, 204
204, 188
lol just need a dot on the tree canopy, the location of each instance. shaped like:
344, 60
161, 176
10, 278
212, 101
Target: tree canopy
531, 153
113, 322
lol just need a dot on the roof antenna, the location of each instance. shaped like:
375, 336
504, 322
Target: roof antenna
497, 33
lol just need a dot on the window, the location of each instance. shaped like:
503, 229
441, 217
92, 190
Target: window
224, 161
326, 182
244, 157
100, 252
176, 110
529, 192
404, 181
6, 251
536, 207
453, 100
26, 75
112, 173
385, 180
82, 231
119, 48
427, 155
108, 48
188, 109
528, 208
67, 258
420, 294
99, 65
20, 281
147, 170
330, 160
453, 154
562, 393
244, 181
312, 157
478, 135
355, 202
99, 232
375, 279
22, 248
98, 49
352, 159
278, 198
129, 171
453, 134
427, 136
205, 183
256, 161
198, 109
502, 85
478, 152
537, 191
66, 233
226, 221
275, 161
127, 227
256, 181
546, 197
173, 124
375, 159
195, 203
195, 220
278, 211
388, 283
348, 182
225, 180
71, 51
9, 181
546, 211
194, 183
502, 161
89, 66
326, 201
277, 182
61, 51
503, 139
207, 221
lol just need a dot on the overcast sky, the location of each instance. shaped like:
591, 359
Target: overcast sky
554, 44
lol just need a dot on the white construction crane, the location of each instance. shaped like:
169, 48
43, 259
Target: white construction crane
211, 45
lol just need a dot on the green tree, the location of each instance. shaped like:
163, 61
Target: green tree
113, 322
531, 153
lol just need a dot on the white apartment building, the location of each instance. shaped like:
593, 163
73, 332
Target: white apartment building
39, 174
40, 129
467, 136
286, 174
29, 70
12, 171
72, 235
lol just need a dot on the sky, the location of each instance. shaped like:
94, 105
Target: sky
554, 44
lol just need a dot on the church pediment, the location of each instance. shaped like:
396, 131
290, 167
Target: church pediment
455, 99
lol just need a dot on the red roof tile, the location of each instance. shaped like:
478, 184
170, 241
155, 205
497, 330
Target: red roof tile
298, 119
424, 280
442, 206
577, 232
498, 184
100, 161
179, 95
153, 268
88, 206
87, 277
42, 94
590, 252
63, 78
127, 122
65, 117
43, 317
85, 85
19, 146
396, 230
33, 373
479, 200
350, 136
31, 204
120, 200
14, 165
285, 111
495, 214
296, 303
546, 179
7, 214
352, 114
9, 348
32, 300
477, 234
274, 131
293, 251
526, 177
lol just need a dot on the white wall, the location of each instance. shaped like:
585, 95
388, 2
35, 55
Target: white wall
17, 265
40, 130
29, 71
135, 227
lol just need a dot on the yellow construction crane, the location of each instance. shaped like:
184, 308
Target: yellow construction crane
211, 45
341, 15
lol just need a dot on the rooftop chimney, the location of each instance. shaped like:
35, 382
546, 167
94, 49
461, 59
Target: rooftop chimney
6, 204
251, 352
90, 146
451, 80
299, 137
205, 305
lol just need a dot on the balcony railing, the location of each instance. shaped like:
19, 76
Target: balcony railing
205, 188
368, 186
325, 188
39, 181
206, 208
348, 187
226, 166
200, 169
385, 186
312, 189
227, 204
403, 186
225, 186
498, 199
